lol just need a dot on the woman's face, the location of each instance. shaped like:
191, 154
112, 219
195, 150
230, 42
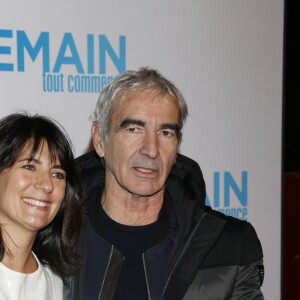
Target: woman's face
31, 191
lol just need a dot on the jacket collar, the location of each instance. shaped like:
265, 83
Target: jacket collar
185, 177
185, 186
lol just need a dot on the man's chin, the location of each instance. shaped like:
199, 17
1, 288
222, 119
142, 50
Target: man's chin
146, 192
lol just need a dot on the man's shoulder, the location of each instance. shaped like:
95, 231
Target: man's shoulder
232, 222
90, 170
238, 243
88, 160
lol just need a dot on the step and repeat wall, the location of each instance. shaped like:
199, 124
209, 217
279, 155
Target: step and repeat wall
225, 56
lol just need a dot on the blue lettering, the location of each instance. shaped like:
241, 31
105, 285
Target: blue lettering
216, 191
241, 194
70, 79
67, 54
105, 47
229, 184
6, 50
42, 43
90, 54
68, 60
240, 213
53, 82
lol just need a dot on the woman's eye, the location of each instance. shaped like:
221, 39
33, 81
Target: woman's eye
28, 167
59, 175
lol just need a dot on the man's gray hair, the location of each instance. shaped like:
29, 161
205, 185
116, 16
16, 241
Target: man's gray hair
132, 81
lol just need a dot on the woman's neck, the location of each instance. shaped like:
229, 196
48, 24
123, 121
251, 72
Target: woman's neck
18, 255
23, 263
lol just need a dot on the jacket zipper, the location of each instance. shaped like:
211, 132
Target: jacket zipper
106, 270
181, 254
146, 276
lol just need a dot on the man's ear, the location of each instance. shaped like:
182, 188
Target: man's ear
97, 139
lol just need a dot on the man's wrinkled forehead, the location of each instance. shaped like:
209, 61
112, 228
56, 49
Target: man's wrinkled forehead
151, 93
134, 109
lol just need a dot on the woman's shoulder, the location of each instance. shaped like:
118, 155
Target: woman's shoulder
50, 276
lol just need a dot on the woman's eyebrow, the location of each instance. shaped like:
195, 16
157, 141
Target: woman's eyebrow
58, 167
29, 159
37, 161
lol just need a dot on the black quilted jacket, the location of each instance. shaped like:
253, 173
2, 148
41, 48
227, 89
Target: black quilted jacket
213, 256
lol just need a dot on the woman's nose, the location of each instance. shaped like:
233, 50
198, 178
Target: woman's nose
44, 182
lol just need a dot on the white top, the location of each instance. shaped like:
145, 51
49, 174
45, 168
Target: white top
42, 284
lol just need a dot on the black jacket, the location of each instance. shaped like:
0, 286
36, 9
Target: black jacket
213, 256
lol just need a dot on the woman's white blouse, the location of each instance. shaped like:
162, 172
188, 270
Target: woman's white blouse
42, 284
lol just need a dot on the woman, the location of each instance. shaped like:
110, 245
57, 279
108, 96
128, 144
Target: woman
39, 208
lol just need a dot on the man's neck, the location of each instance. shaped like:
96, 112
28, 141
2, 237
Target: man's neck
132, 210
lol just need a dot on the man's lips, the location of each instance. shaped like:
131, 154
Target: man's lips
146, 171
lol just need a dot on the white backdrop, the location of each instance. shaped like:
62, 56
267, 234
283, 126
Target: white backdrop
225, 56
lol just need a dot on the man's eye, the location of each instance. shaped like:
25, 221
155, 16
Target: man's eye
134, 129
59, 175
168, 134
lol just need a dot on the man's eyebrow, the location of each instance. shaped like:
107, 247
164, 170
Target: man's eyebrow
172, 126
129, 122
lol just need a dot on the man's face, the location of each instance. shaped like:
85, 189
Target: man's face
141, 145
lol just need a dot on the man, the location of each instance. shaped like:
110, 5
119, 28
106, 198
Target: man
147, 233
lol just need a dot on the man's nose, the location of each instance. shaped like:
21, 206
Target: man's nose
44, 182
150, 145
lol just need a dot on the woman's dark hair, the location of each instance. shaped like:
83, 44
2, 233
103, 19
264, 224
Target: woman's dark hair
54, 244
